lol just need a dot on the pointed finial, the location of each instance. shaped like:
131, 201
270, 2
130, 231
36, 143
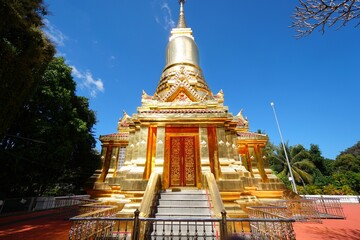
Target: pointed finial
181, 23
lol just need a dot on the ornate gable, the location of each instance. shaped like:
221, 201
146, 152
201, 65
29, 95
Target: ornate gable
182, 88
124, 123
182, 97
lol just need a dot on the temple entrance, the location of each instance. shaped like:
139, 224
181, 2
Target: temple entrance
182, 164
182, 161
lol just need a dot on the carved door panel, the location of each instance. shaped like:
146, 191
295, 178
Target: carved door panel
182, 161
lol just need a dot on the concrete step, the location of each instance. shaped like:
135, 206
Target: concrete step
179, 196
181, 215
132, 206
182, 203
183, 210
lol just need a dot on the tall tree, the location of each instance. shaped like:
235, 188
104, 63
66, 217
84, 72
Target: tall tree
347, 162
321, 14
299, 159
317, 158
49, 148
24, 55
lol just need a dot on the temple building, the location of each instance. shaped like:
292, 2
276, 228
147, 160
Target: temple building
183, 131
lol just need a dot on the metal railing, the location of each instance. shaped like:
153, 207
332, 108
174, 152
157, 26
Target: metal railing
341, 198
94, 222
328, 207
271, 227
308, 210
272, 222
30, 204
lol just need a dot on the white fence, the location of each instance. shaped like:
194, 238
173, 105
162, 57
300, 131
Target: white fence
342, 198
39, 203
56, 202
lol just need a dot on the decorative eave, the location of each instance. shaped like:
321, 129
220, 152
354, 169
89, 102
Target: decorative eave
115, 137
251, 136
181, 111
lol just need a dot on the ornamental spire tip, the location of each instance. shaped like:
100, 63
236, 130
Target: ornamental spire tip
181, 23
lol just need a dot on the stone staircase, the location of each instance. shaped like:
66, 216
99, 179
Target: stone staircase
183, 204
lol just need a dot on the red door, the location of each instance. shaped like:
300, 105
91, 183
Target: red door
182, 161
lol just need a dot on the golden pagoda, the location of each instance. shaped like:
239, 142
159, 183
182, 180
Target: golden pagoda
182, 132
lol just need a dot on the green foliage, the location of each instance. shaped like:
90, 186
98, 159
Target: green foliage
298, 157
354, 150
347, 178
49, 148
24, 55
328, 167
341, 176
347, 162
316, 158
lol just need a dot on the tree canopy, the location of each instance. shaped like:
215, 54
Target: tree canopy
24, 55
50, 146
313, 173
299, 159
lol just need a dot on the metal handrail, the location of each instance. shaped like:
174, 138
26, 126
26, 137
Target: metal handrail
126, 228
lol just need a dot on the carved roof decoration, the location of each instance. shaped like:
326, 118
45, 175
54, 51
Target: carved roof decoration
219, 96
124, 123
251, 136
165, 111
182, 97
182, 81
241, 121
146, 96
116, 137
177, 87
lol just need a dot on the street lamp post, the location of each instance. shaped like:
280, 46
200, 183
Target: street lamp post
286, 156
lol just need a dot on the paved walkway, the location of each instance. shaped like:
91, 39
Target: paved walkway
331, 229
53, 225
43, 225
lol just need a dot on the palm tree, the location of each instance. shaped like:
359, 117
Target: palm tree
300, 163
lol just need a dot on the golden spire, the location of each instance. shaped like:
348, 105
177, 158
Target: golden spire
182, 69
182, 22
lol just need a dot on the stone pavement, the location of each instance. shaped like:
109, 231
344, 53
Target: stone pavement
53, 225
43, 225
331, 229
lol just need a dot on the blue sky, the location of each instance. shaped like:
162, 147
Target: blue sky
117, 49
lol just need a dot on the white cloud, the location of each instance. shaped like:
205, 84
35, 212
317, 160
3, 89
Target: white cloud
88, 82
167, 15
54, 34
166, 19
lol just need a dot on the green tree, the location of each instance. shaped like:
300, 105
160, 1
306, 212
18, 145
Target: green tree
317, 158
300, 163
24, 55
347, 162
49, 148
